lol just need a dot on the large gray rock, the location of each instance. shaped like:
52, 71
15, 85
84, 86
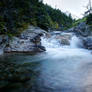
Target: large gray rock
31, 32
81, 30
87, 42
64, 38
28, 41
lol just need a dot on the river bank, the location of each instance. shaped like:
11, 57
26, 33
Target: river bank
29, 41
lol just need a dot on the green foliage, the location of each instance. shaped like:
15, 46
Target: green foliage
76, 22
89, 19
2, 25
17, 15
58, 17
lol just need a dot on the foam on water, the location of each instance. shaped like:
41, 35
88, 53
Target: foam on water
61, 68
55, 49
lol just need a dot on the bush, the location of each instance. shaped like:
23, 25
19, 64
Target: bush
77, 22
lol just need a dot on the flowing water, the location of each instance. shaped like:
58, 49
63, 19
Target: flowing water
62, 68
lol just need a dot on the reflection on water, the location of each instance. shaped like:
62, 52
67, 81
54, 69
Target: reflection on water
18, 73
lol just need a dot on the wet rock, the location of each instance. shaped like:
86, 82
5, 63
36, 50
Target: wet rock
65, 41
40, 48
48, 35
64, 38
81, 30
87, 42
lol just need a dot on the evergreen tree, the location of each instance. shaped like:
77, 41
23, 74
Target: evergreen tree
17, 15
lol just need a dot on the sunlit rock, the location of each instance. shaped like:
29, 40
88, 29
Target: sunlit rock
28, 41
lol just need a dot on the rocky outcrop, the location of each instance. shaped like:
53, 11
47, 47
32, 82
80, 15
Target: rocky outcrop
64, 38
27, 42
87, 42
81, 30
84, 32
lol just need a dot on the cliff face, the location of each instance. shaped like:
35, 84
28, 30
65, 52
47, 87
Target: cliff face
27, 42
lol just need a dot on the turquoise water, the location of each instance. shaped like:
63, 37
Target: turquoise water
59, 69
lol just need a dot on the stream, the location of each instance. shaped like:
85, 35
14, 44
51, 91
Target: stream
61, 68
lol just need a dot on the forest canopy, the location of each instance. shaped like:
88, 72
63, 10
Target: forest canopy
17, 15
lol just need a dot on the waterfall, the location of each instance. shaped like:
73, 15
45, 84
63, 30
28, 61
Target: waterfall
50, 42
75, 42
55, 49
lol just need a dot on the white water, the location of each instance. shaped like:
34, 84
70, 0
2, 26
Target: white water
75, 42
61, 68
1, 51
66, 68
54, 47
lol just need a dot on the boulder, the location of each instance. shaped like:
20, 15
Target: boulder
64, 38
65, 41
80, 30
28, 41
87, 43
39, 48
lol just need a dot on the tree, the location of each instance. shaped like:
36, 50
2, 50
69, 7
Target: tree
89, 9
17, 15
